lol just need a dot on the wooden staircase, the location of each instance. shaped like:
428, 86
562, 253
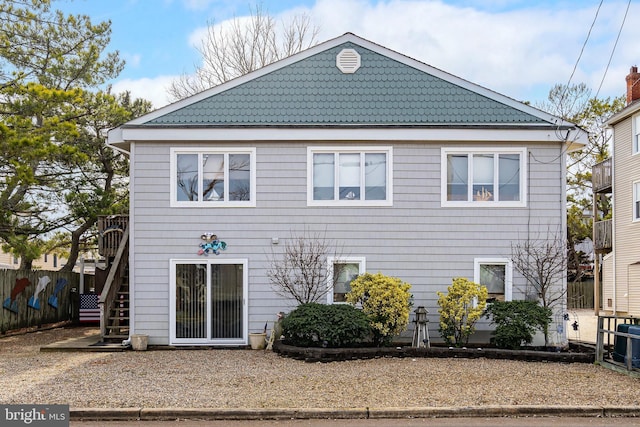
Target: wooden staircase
117, 318
114, 300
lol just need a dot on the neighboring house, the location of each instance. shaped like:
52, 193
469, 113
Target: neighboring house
620, 176
411, 171
49, 262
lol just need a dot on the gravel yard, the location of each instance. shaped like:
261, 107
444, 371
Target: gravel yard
256, 379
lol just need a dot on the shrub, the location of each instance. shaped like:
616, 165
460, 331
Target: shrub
321, 325
385, 300
459, 310
517, 321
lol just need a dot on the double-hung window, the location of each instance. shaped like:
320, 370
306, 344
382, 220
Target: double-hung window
213, 177
497, 275
349, 176
483, 176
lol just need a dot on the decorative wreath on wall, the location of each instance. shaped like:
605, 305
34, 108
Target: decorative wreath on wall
211, 245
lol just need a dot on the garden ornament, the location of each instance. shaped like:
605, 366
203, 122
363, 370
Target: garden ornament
53, 299
276, 331
11, 302
211, 244
34, 302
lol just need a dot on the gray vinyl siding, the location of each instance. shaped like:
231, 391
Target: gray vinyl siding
416, 239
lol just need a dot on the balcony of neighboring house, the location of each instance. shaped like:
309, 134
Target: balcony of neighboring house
603, 236
111, 229
601, 180
601, 177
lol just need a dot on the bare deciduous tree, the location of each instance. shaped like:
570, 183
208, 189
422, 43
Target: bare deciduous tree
243, 45
542, 261
301, 271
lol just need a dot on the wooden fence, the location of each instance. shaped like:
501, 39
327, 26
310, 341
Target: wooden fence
580, 294
55, 300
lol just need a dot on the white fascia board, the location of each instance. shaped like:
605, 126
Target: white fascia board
342, 134
627, 111
115, 140
114, 135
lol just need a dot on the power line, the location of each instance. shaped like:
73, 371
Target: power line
614, 47
575, 67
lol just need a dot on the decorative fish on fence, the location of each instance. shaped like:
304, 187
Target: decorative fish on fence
34, 301
11, 302
53, 299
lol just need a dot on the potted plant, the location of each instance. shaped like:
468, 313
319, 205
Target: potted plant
258, 340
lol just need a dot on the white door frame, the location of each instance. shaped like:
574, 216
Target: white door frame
172, 302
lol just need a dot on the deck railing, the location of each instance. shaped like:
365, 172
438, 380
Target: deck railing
601, 176
604, 344
114, 280
111, 229
603, 235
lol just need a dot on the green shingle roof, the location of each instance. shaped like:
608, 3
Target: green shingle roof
313, 91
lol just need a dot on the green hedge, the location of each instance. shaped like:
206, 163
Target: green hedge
321, 325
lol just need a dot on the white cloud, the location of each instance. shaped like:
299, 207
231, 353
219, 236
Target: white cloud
521, 51
515, 52
151, 89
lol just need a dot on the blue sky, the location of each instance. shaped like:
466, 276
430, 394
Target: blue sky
517, 48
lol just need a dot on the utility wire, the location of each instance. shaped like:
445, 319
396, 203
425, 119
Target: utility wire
614, 48
575, 67
566, 89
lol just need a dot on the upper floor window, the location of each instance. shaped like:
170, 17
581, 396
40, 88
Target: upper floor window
636, 134
349, 176
485, 176
213, 177
497, 275
636, 201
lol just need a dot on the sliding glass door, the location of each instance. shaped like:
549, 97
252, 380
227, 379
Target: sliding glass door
208, 301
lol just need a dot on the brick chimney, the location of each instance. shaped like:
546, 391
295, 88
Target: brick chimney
633, 85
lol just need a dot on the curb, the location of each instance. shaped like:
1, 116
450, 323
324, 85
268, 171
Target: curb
167, 414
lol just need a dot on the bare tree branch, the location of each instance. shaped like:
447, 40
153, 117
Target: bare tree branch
301, 270
542, 261
243, 45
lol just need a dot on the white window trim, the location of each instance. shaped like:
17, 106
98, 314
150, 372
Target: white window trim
634, 201
251, 203
361, 261
172, 307
508, 279
388, 150
635, 135
444, 151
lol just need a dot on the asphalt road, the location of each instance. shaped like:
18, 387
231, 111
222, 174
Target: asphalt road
429, 422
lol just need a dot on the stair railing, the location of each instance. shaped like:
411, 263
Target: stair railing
114, 281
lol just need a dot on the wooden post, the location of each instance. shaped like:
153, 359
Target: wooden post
600, 340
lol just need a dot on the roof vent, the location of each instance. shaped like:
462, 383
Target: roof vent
348, 61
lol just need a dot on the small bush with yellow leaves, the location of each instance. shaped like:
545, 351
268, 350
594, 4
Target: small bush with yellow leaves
460, 309
385, 300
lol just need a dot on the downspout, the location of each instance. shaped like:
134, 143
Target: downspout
596, 256
613, 221
563, 208
132, 245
